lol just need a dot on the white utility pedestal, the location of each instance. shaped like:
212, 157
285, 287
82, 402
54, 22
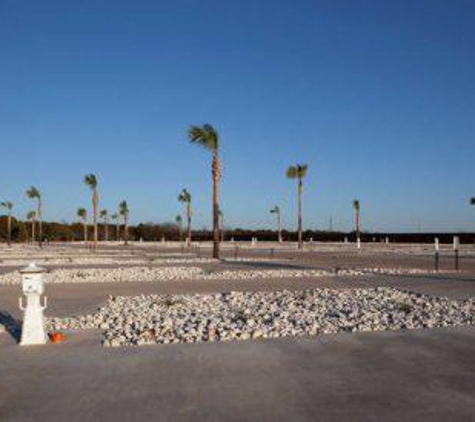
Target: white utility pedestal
33, 330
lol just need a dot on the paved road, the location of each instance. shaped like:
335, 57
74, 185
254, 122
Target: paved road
424, 375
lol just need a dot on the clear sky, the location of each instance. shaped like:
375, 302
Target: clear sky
378, 97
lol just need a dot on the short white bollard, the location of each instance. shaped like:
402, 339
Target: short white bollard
358, 243
456, 243
33, 330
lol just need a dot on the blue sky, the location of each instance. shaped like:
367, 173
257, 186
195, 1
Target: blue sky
378, 98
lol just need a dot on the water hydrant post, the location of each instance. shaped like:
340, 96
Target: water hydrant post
33, 329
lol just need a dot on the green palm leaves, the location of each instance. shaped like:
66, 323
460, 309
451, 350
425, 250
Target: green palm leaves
184, 197
297, 171
82, 214
205, 136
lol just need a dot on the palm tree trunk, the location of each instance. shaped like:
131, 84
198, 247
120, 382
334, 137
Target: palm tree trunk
188, 216
106, 229
279, 228
9, 222
357, 224
33, 222
117, 231
180, 232
126, 230
40, 223
216, 178
85, 233
300, 242
95, 203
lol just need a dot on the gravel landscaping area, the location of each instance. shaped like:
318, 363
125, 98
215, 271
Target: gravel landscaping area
163, 319
147, 274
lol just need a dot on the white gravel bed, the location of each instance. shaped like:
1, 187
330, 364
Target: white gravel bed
152, 274
147, 274
163, 319
104, 261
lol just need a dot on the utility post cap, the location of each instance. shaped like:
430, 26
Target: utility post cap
32, 268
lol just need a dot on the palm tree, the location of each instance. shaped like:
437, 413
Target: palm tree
91, 181
276, 211
115, 217
8, 207
31, 217
124, 212
105, 216
298, 171
82, 214
185, 198
357, 208
208, 137
179, 222
34, 193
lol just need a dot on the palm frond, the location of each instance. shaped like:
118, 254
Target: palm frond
205, 135
82, 212
472, 200
123, 208
31, 215
33, 193
90, 180
103, 213
185, 196
292, 172
356, 204
7, 205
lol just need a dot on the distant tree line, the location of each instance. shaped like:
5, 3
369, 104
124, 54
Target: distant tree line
53, 231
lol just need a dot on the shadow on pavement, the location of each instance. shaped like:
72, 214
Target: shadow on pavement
12, 326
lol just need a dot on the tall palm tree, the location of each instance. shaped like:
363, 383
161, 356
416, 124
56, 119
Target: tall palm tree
298, 171
124, 212
82, 214
277, 212
208, 137
105, 216
185, 198
8, 207
115, 217
31, 217
179, 222
357, 208
34, 193
91, 181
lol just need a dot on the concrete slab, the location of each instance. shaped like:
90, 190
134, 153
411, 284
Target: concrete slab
422, 375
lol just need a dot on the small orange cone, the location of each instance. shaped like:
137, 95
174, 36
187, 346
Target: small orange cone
57, 337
